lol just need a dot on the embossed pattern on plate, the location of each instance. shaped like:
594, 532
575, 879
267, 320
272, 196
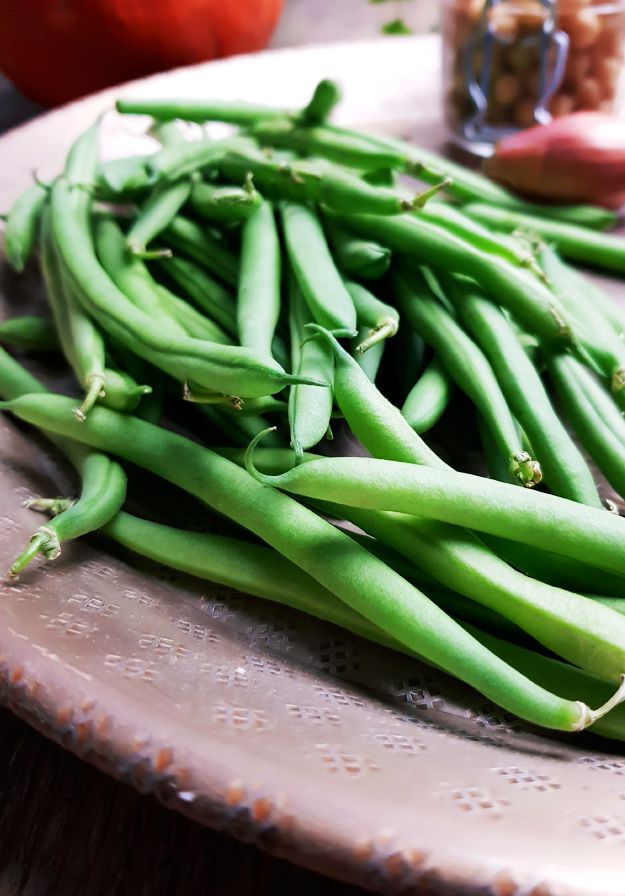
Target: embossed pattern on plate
279, 729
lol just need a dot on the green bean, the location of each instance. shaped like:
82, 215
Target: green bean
600, 441
332, 558
365, 259
310, 409
532, 303
204, 291
325, 97
507, 248
81, 342
596, 335
258, 297
602, 250
103, 494
238, 113
225, 204
602, 402
22, 225
382, 319
193, 322
468, 367
222, 368
324, 291
104, 482
197, 243
157, 212
536, 519
36, 334
564, 468
375, 422
428, 399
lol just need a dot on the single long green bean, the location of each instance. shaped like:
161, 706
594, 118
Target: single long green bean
326, 295
427, 401
310, 409
564, 468
536, 519
468, 367
36, 334
238, 113
602, 250
157, 212
332, 558
22, 225
258, 296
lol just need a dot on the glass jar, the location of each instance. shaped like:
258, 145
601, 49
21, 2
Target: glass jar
510, 64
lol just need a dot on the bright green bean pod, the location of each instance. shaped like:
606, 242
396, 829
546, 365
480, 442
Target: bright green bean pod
536, 519
375, 422
598, 338
565, 470
382, 319
102, 496
22, 226
196, 242
531, 302
225, 204
602, 250
602, 443
258, 297
324, 291
310, 409
365, 259
326, 96
33, 333
468, 367
173, 162
603, 403
239, 113
157, 212
331, 557
204, 291
427, 401
222, 368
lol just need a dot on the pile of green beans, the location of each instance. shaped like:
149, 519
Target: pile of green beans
387, 343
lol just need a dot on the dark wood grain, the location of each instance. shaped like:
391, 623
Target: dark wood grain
67, 829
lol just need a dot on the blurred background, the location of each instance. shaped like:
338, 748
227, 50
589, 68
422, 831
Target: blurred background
57, 50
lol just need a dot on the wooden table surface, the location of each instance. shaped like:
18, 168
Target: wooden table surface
66, 828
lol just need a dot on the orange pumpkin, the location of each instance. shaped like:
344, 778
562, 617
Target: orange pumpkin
57, 50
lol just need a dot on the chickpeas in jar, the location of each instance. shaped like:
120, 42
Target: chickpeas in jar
510, 64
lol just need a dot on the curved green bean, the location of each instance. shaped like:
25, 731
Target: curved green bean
36, 334
225, 204
310, 409
22, 225
427, 401
365, 259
